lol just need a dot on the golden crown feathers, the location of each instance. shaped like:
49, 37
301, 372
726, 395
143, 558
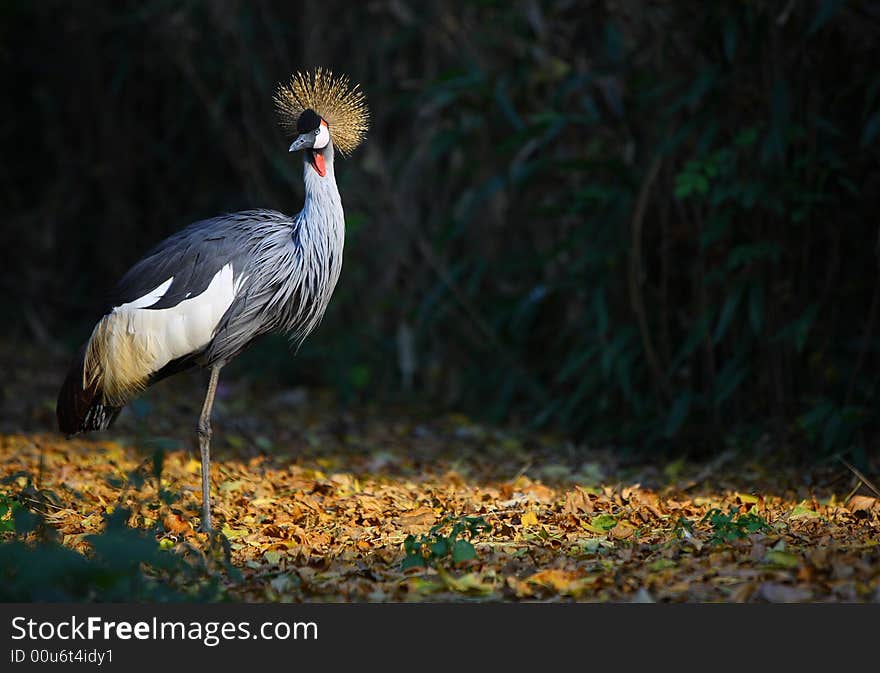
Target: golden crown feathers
341, 105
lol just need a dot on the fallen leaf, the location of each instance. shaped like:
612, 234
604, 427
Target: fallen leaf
529, 519
522, 589
416, 521
577, 501
782, 559
470, 583
176, 525
235, 533
565, 582
601, 523
622, 531
863, 503
272, 557
803, 512
661, 564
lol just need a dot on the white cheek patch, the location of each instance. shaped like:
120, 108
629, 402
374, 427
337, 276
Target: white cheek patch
323, 137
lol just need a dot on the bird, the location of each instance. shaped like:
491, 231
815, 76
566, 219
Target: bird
204, 294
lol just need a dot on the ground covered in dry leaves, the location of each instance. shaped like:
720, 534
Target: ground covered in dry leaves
321, 503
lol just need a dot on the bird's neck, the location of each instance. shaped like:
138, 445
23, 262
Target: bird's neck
323, 205
322, 222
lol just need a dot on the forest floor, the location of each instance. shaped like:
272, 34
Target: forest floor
321, 503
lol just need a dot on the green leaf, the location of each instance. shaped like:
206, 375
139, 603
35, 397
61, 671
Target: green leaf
803, 512
7, 507
782, 559
463, 551
661, 564
413, 561
440, 548
603, 522
272, 557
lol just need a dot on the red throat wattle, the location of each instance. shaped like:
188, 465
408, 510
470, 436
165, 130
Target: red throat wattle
318, 163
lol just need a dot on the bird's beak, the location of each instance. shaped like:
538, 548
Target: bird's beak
304, 141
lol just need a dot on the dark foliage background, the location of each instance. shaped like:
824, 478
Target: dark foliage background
633, 221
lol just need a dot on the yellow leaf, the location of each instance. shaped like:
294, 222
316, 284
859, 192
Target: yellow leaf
783, 559
565, 582
747, 499
471, 583
529, 519
232, 486
803, 511
272, 557
419, 585
234, 533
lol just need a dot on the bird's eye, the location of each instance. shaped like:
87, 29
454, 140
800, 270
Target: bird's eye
317, 130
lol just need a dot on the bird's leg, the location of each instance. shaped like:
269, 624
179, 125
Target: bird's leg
204, 433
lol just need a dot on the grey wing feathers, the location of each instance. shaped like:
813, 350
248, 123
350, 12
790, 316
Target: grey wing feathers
276, 292
191, 256
277, 286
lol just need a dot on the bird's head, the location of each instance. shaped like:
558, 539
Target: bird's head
313, 136
323, 112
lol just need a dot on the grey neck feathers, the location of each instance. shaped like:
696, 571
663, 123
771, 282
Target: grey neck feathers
321, 192
322, 237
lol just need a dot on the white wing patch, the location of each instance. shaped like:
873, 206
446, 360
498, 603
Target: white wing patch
189, 326
135, 341
148, 299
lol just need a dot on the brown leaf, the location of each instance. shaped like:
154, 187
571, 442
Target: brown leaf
742, 592
417, 521
540, 492
520, 588
176, 525
863, 504
622, 531
576, 501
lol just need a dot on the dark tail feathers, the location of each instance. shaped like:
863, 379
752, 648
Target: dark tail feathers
79, 409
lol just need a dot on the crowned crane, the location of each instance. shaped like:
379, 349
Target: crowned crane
202, 295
